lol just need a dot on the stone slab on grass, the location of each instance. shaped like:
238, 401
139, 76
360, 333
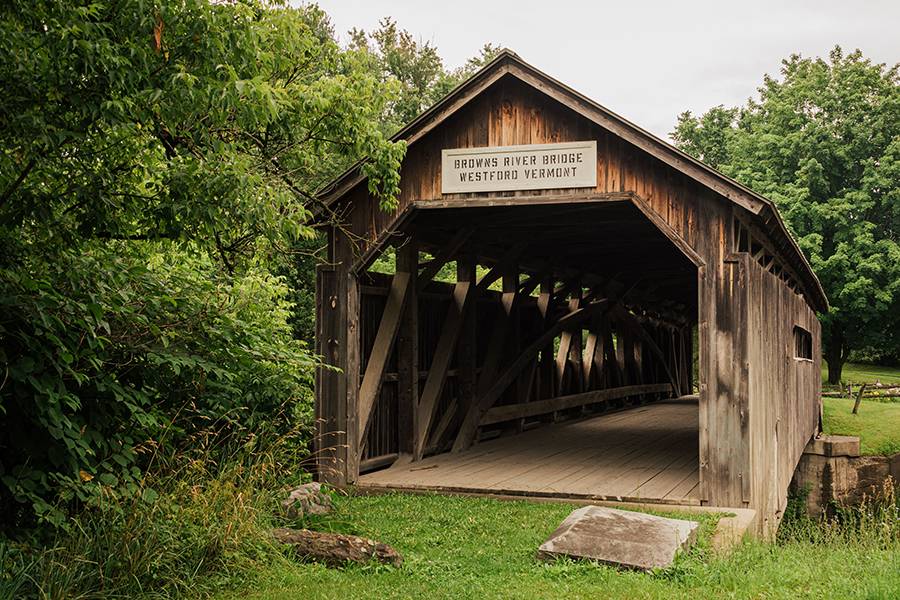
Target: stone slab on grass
621, 538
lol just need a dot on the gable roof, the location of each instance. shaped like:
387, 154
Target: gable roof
509, 63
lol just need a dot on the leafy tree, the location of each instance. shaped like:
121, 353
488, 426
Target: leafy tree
415, 67
156, 160
823, 143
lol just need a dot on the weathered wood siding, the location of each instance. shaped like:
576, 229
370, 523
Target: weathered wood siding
511, 112
331, 406
785, 392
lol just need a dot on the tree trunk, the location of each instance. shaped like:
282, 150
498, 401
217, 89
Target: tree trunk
335, 549
835, 367
836, 355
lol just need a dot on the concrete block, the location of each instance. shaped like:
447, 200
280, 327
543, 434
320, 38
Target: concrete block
834, 445
619, 537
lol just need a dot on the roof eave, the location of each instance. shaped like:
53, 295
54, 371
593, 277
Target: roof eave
503, 64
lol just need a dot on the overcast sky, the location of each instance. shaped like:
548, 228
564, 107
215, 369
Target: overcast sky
647, 61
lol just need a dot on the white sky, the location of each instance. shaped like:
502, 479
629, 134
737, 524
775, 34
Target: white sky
647, 61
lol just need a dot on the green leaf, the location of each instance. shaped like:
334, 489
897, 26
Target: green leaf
149, 495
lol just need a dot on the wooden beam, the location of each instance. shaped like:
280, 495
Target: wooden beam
485, 401
408, 352
445, 255
569, 343
663, 226
503, 265
440, 429
351, 379
546, 366
377, 462
635, 326
381, 351
466, 371
499, 414
497, 346
591, 347
463, 292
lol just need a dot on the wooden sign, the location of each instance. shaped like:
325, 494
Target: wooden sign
525, 167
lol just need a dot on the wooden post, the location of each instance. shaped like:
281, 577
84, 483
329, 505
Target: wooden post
511, 347
466, 358
547, 365
859, 397
408, 352
570, 351
352, 378
466, 364
636, 331
627, 351
590, 352
499, 335
331, 434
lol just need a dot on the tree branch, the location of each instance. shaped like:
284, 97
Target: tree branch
15, 184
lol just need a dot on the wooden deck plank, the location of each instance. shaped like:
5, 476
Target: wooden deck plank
650, 437
487, 452
592, 452
548, 448
620, 477
619, 444
664, 481
649, 452
687, 487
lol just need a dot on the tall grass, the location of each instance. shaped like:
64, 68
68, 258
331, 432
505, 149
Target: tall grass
204, 527
873, 523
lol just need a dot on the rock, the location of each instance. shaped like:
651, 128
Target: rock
307, 499
336, 549
619, 537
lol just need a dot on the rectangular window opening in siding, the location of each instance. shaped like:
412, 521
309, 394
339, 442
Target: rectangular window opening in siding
802, 343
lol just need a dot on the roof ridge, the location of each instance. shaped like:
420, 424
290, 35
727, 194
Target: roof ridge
506, 63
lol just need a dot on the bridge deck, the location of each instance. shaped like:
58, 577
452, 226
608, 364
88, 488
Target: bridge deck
648, 454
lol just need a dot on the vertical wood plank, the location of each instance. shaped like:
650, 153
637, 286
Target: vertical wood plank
388, 329
351, 377
408, 352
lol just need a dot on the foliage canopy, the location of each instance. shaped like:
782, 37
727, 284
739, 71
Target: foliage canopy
823, 142
156, 160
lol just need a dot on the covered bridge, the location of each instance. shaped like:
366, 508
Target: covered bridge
573, 308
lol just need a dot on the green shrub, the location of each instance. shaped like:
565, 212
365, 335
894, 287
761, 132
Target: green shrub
118, 351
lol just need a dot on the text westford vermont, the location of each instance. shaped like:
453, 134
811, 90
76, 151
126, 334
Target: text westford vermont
547, 166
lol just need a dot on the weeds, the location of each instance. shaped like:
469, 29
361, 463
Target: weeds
205, 527
874, 522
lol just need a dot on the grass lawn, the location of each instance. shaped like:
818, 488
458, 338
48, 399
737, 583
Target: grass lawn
457, 547
877, 424
860, 373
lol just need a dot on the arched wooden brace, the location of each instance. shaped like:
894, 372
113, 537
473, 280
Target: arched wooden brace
469, 427
631, 322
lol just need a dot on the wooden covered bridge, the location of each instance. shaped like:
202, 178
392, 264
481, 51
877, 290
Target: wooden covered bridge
575, 309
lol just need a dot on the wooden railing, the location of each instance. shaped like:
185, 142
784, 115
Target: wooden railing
499, 414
